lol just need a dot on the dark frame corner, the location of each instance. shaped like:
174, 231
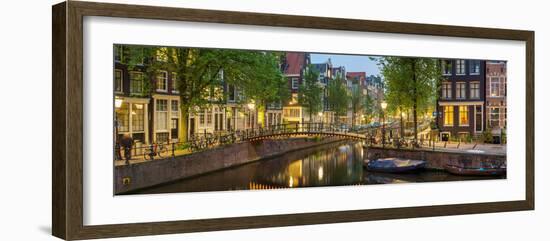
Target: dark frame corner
67, 119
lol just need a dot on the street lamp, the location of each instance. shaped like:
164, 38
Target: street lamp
251, 105
383, 105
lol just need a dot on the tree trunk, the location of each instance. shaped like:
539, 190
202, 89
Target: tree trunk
415, 97
184, 124
402, 130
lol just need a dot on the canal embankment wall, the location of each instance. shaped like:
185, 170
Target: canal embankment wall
436, 159
137, 176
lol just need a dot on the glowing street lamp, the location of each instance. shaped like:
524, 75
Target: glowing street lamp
251, 105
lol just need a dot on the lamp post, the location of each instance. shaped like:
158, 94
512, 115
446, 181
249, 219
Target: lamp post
383, 105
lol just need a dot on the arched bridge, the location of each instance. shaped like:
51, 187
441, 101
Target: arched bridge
289, 130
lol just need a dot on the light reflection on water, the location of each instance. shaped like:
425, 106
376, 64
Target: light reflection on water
330, 165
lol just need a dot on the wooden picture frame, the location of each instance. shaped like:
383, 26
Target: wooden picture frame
67, 123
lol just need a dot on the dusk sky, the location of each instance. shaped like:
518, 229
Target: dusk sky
353, 63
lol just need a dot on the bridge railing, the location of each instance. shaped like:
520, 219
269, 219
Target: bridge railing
202, 141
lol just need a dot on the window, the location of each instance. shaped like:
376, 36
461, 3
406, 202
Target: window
474, 90
136, 82
446, 67
161, 120
162, 81
294, 83
448, 113
138, 117
175, 83
118, 80
475, 67
231, 93
162, 137
292, 112
446, 90
460, 67
123, 118
495, 87
463, 115
494, 116
175, 107
201, 117
208, 117
461, 90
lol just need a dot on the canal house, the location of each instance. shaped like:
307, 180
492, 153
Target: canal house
294, 67
496, 98
461, 103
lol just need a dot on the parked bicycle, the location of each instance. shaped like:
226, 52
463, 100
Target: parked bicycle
155, 150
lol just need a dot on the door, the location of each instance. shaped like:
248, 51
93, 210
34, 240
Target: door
479, 119
191, 126
174, 128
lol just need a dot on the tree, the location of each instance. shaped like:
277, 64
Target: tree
309, 92
356, 100
411, 83
266, 83
201, 73
337, 96
370, 108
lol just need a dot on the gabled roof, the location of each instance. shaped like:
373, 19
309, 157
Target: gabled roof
294, 63
356, 75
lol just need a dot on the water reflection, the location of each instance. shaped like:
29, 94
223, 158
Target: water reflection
330, 165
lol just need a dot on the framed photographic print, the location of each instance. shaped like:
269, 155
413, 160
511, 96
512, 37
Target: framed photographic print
171, 120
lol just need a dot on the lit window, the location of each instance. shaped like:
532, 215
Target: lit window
463, 115
461, 67
474, 90
118, 80
138, 118
448, 113
461, 90
123, 118
162, 81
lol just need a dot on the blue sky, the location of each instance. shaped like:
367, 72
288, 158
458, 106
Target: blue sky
353, 63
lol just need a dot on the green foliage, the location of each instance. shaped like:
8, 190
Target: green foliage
486, 136
337, 95
411, 83
356, 99
202, 73
310, 92
370, 108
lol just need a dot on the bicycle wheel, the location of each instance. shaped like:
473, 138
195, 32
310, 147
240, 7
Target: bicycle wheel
162, 149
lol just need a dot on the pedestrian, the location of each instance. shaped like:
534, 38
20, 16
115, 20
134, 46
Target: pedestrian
127, 142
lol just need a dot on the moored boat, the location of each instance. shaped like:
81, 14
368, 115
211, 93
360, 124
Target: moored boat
475, 171
394, 165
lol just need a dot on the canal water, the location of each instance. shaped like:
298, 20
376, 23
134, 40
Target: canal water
335, 164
